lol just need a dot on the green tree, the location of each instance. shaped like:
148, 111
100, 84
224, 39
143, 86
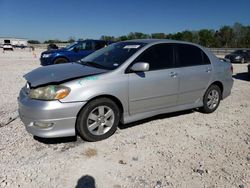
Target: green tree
34, 42
108, 38
188, 36
177, 36
206, 37
247, 37
137, 35
71, 39
122, 38
158, 35
225, 37
52, 41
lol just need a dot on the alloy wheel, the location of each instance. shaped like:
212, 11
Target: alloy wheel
100, 120
213, 99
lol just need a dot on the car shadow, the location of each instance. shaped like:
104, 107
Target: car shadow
59, 140
242, 76
157, 117
76, 140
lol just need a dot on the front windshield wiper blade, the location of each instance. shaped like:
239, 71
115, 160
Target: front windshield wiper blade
93, 64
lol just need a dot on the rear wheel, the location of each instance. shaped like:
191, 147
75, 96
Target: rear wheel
98, 120
211, 99
60, 60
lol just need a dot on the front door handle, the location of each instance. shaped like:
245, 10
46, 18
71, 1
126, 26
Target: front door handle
173, 74
208, 70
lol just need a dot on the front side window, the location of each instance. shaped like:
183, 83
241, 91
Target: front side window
189, 55
112, 56
159, 56
71, 45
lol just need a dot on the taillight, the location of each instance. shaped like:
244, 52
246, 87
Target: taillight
232, 69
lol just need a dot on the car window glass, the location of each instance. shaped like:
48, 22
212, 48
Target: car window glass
238, 52
112, 56
88, 46
205, 59
159, 56
99, 45
84, 46
189, 55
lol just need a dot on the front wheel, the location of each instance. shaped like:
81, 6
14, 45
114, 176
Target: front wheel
60, 60
98, 120
211, 99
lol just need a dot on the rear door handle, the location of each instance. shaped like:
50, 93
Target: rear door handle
173, 74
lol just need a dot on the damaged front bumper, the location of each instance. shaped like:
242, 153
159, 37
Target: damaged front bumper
48, 119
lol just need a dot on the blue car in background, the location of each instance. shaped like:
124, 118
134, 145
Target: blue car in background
72, 52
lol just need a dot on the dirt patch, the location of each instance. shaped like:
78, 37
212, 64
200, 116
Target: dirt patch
90, 152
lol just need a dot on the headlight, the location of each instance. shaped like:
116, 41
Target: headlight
51, 92
46, 55
237, 57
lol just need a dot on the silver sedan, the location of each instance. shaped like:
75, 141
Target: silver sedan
122, 83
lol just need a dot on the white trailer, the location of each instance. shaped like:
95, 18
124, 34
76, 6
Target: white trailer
15, 42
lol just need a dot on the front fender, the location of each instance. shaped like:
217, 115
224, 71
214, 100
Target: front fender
85, 89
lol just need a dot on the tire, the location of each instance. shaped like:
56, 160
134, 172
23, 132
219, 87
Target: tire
60, 60
211, 99
243, 60
94, 124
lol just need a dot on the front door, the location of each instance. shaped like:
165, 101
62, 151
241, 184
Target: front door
157, 88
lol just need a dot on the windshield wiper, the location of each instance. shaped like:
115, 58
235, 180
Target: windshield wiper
93, 64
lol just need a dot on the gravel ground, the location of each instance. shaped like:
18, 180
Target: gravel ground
184, 149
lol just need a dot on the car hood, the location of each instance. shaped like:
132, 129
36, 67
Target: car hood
234, 55
56, 74
55, 51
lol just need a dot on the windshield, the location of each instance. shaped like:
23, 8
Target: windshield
238, 52
71, 45
113, 55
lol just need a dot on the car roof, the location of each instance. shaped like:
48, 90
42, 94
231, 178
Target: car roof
150, 41
94, 40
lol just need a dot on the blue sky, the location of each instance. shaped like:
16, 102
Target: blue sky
60, 19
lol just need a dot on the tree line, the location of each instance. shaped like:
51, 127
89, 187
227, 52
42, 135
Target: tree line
235, 36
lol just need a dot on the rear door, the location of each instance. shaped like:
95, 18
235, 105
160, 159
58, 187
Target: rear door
195, 73
157, 88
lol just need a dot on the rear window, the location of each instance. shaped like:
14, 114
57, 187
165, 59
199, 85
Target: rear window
100, 44
189, 55
7, 41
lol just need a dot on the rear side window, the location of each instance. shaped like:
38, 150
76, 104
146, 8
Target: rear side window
84, 46
189, 55
205, 58
159, 56
99, 45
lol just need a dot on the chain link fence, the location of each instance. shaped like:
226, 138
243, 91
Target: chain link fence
216, 51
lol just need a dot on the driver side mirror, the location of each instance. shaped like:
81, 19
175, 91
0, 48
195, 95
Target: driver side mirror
140, 67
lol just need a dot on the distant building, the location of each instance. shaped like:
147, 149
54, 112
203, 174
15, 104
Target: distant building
13, 41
